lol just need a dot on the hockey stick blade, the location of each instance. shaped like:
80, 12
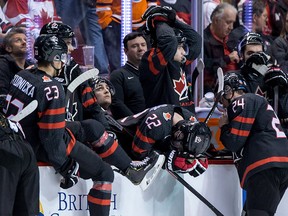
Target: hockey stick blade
152, 174
26, 111
218, 95
198, 70
196, 193
220, 79
79, 80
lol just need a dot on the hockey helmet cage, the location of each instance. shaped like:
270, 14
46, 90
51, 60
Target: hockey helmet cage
191, 137
250, 38
98, 80
234, 81
60, 30
50, 48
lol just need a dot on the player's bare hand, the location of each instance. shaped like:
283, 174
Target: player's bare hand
223, 120
234, 57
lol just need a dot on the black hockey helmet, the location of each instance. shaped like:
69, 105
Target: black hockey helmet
98, 80
57, 28
50, 48
234, 81
191, 137
179, 35
60, 30
250, 38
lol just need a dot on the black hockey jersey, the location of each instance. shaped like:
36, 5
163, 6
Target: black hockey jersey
255, 136
255, 84
254, 80
83, 103
152, 127
162, 79
45, 127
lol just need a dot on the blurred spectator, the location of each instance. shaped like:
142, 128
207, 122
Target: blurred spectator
217, 49
161, 70
129, 98
259, 22
278, 10
208, 7
280, 47
5, 25
109, 12
33, 14
182, 8
82, 14
13, 60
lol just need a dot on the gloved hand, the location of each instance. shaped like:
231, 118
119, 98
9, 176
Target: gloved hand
70, 174
181, 162
258, 61
158, 13
276, 77
201, 166
258, 58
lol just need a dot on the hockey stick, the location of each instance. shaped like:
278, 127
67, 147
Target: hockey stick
78, 81
152, 174
196, 193
198, 70
276, 99
27, 110
218, 95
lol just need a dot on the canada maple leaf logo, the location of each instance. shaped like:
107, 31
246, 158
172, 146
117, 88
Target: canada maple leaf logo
167, 116
46, 79
180, 87
260, 92
45, 17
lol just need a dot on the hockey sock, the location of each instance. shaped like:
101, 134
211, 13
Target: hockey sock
99, 198
111, 152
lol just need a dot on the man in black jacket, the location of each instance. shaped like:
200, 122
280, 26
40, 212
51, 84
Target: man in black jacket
13, 59
218, 51
129, 98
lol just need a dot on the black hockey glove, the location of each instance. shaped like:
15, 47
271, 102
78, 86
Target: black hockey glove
183, 162
258, 61
259, 58
158, 13
276, 77
10, 130
70, 174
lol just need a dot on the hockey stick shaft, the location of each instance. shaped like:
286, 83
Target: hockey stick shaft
196, 193
276, 99
198, 70
27, 110
217, 99
218, 95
